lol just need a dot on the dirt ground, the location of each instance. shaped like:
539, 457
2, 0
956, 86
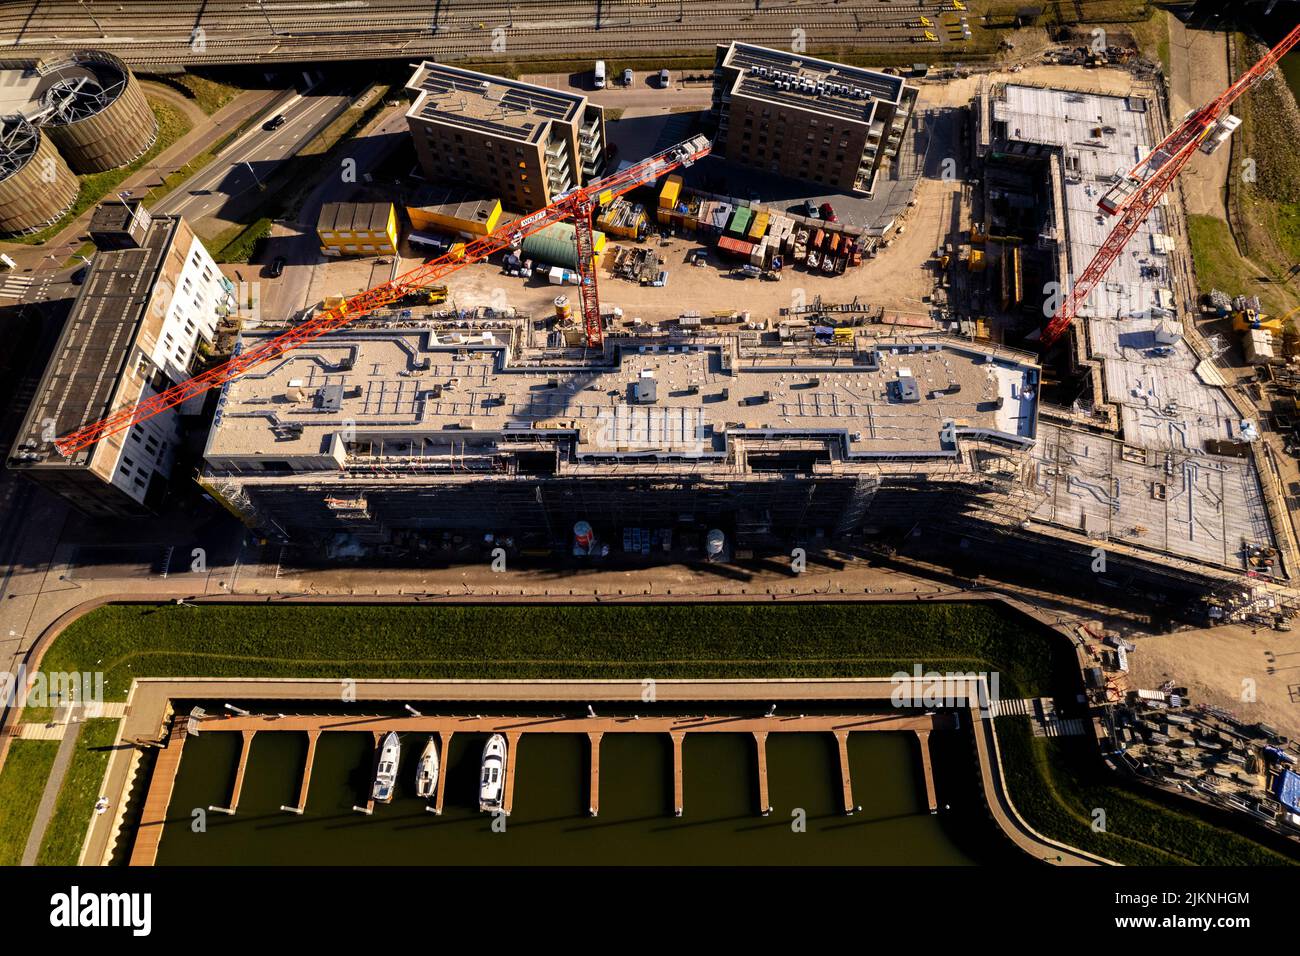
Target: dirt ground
897, 280
1198, 67
1224, 666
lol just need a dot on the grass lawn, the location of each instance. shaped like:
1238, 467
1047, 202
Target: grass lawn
172, 125
209, 95
681, 641
66, 832
1057, 783
21, 785
1219, 266
238, 243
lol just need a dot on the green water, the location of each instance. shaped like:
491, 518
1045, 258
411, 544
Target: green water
550, 824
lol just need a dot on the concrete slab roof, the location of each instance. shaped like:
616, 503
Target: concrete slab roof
487, 104
411, 386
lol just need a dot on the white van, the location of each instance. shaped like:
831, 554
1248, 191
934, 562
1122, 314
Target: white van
599, 74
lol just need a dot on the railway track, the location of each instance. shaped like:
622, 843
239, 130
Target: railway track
283, 31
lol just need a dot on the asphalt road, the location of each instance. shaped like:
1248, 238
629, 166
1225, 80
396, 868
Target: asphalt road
247, 162
296, 240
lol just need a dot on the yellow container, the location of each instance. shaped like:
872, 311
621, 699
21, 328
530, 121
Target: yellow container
758, 228
668, 195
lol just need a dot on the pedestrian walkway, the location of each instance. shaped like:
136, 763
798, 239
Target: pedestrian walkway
15, 287
53, 784
1012, 708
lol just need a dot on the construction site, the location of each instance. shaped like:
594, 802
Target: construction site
413, 421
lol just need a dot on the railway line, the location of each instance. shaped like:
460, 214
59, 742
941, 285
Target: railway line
238, 31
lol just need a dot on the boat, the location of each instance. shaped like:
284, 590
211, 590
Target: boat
426, 771
492, 782
386, 775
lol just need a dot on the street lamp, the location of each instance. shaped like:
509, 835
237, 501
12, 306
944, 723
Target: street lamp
261, 5
235, 710
98, 26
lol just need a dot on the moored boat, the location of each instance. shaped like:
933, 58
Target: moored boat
386, 774
492, 782
426, 771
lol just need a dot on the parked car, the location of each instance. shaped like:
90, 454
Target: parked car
598, 75
276, 269
275, 122
627, 77
809, 209
828, 213
663, 79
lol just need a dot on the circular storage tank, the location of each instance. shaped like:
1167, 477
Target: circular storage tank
95, 112
36, 185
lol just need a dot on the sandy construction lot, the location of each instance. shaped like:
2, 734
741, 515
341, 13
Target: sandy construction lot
1224, 666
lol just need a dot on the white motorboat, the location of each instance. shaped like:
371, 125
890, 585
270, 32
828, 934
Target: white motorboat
492, 782
426, 771
386, 775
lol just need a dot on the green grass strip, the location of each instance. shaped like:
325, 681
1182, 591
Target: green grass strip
21, 784
61, 845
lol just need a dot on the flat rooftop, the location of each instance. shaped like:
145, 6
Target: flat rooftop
82, 380
409, 383
347, 216
20, 92
454, 202
485, 104
804, 82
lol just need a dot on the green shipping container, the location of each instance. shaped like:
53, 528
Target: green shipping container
740, 220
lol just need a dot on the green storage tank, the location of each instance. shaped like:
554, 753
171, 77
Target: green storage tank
557, 245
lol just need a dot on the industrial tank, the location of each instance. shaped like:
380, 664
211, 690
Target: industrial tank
94, 110
36, 185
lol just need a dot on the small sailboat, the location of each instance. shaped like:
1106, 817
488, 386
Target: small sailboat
386, 775
426, 771
492, 783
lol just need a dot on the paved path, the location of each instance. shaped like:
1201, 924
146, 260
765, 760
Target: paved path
53, 784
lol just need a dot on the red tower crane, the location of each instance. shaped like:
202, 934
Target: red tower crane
1134, 196
578, 204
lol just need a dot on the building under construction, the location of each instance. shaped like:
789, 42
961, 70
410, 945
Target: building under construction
1155, 457
377, 432
381, 437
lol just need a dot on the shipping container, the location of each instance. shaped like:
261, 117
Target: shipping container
671, 190
740, 221
758, 228
734, 246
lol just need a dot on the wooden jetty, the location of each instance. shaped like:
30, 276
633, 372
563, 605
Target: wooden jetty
515, 728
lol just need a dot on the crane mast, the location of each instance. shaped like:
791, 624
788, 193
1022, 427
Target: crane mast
1134, 196
578, 204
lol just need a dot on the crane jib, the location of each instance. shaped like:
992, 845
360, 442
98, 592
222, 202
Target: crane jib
577, 203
